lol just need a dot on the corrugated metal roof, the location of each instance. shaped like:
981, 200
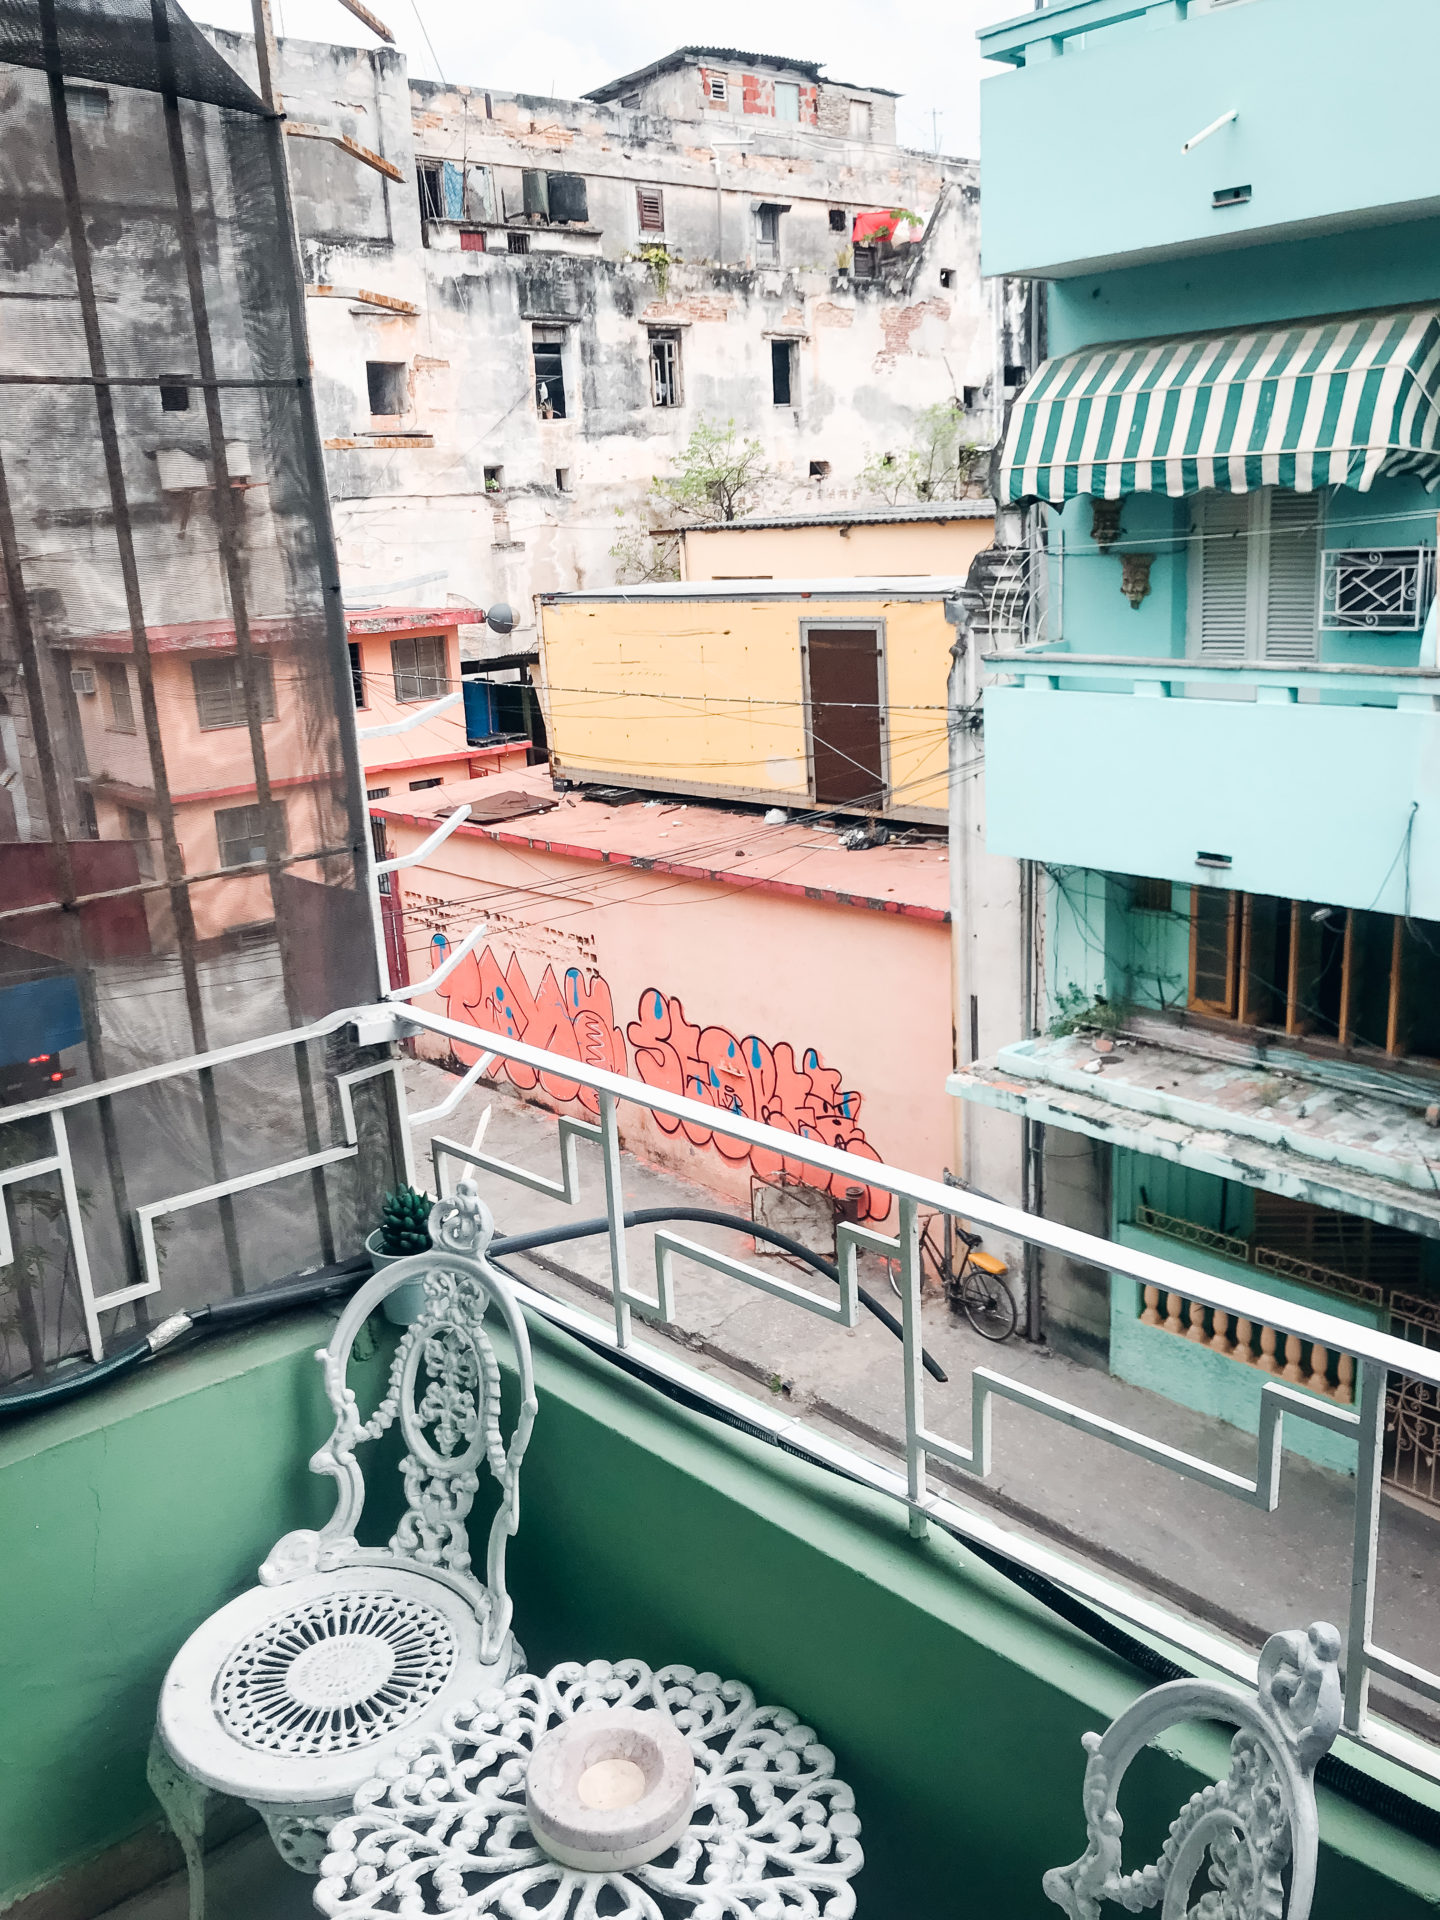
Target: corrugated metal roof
939, 512
904, 586
731, 56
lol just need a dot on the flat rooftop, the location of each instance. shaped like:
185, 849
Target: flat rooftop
898, 586
936, 513
691, 840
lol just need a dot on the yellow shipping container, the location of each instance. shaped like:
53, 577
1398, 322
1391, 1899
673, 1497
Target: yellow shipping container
824, 693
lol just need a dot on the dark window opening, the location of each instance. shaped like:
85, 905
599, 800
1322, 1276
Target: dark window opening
518, 242
947, 276
665, 369
494, 479
782, 372
357, 673
819, 469
377, 793
1014, 376
241, 834
419, 786
839, 220
220, 692
864, 263
431, 183
419, 668
650, 209
385, 383
970, 398
549, 378
1151, 896
1351, 976
1230, 196
842, 671
174, 396
562, 479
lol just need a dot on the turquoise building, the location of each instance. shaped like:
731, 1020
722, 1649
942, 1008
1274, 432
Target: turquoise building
1210, 712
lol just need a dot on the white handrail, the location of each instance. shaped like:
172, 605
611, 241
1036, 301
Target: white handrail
416, 719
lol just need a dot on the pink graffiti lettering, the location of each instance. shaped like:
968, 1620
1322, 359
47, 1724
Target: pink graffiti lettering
575, 1017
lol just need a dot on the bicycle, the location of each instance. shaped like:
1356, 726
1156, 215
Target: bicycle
978, 1289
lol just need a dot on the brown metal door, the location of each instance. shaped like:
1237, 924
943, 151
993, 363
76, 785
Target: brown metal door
846, 754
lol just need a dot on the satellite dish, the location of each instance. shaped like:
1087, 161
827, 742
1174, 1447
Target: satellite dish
501, 617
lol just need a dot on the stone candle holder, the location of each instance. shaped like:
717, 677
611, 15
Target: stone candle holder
610, 1789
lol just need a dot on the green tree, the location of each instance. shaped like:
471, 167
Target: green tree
720, 476
643, 554
941, 462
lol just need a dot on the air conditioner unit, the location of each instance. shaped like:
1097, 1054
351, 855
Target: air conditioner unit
237, 459
82, 679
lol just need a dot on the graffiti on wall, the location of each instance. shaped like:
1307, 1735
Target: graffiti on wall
573, 1014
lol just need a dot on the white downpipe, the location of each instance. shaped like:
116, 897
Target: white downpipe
416, 719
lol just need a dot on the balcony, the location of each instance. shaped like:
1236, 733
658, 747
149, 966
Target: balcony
1134, 766
676, 1512
1083, 139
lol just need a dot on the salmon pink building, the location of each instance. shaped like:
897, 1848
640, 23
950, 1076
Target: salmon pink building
756, 967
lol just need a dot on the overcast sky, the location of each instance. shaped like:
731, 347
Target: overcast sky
925, 49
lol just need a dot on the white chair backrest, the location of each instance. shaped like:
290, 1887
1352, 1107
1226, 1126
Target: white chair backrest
1253, 1824
444, 1390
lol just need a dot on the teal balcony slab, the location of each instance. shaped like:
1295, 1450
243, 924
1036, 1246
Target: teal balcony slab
1083, 139
1299, 787
954, 1702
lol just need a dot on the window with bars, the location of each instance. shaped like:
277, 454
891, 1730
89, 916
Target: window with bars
1376, 590
1254, 576
220, 692
650, 209
664, 369
119, 708
1315, 972
419, 668
240, 833
357, 674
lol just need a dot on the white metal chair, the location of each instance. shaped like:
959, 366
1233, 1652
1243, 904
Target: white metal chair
1254, 1825
289, 1696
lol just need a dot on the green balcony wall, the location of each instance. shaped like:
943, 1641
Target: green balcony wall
954, 1703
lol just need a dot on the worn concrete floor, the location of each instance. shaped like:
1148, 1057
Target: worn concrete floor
244, 1880
1243, 1571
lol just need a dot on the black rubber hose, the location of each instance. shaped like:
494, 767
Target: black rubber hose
712, 1217
345, 1276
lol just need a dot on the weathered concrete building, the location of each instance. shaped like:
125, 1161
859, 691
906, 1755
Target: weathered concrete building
567, 288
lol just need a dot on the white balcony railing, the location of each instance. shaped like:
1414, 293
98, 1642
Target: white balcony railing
1046, 668
1369, 1356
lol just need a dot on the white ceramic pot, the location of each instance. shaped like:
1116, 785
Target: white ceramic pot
403, 1305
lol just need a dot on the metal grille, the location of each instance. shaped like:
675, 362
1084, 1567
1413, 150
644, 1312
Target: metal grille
337, 1674
1377, 589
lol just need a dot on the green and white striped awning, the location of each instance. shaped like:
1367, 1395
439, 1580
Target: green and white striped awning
1332, 404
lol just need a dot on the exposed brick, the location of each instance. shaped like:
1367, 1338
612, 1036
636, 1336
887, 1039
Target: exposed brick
758, 95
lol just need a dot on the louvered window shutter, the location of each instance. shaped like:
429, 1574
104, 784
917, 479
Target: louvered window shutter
1223, 523
1288, 605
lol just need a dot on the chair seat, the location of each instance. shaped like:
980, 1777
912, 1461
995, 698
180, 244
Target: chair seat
290, 1693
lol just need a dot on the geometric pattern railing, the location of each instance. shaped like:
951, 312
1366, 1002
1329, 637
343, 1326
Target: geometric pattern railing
1226, 1307
1281, 1339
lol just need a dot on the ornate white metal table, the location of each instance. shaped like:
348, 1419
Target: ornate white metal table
445, 1827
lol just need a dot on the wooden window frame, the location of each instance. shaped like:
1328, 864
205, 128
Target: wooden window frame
1236, 1010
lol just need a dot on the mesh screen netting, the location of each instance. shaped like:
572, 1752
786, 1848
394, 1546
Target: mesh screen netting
182, 826
147, 44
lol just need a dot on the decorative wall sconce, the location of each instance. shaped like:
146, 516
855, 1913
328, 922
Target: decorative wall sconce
1135, 576
1105, 523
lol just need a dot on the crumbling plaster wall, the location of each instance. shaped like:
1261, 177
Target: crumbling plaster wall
417, 520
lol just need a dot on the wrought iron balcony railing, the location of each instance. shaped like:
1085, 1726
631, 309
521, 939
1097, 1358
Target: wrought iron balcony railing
1358, 1356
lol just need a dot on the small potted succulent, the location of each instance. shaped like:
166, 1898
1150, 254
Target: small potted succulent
404, 1230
